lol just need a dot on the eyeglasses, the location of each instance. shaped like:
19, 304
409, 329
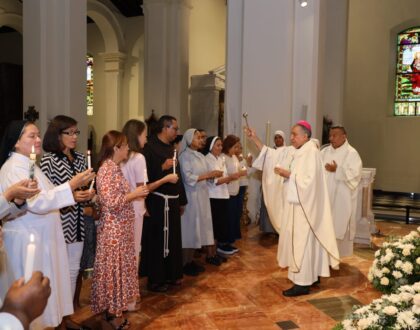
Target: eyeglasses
174, 128
71, 133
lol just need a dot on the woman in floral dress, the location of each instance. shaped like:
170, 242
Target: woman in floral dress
115, 286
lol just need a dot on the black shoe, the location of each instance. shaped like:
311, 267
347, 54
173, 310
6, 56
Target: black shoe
157, 287
225, 249
221, 258
233, 248
197, 267
213, 261
190, 270
296, 290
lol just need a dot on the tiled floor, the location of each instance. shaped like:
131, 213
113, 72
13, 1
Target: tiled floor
245, 292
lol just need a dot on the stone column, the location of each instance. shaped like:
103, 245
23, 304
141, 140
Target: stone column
166, 58
365, 220
204, 105
54, 60
114, 70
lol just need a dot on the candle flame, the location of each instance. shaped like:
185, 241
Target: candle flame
88, 152
31, 238
33, 148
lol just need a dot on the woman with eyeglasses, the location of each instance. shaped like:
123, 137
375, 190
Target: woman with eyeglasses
60, 163
41, 223
115, 286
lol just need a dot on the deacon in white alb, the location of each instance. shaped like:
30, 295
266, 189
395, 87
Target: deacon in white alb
343, 170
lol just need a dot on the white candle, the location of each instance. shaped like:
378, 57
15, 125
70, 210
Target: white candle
30, 257
144, 177
32, 161
174, 162
89, 160
91, 185
267, 133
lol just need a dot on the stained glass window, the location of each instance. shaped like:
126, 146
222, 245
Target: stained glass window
89, 84
407, 84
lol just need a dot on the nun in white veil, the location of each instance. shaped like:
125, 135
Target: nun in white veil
196, 222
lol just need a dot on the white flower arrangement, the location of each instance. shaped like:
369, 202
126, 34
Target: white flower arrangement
397, 263
400, 310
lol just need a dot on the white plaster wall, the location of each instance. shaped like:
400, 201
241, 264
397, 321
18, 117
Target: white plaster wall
333, 59
11, 45
385, 142
207, 46
259, 72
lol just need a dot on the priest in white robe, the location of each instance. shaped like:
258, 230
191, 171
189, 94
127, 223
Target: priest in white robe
343, 171
307, 244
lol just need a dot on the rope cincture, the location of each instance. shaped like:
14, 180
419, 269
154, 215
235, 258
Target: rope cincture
165, 221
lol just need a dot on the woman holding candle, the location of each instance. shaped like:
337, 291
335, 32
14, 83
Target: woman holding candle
230, 147
60, 163
196, 222
135, 171
219, 194
42, 219
115, 286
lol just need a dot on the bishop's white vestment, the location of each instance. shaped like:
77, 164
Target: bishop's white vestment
307, 244
343, 189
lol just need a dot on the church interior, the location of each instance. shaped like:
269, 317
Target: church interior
207, 63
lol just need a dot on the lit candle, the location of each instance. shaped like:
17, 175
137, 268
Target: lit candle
30, 257
267, 133
32, 161
91, 185
144, 177
174, 162
89, 160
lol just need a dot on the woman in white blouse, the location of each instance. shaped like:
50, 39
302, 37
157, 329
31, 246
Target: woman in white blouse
219, 194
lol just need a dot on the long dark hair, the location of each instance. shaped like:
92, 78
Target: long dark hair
132, 129
110, 140
229, 142
58, 124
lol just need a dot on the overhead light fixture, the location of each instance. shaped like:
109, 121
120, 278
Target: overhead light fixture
303, 3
